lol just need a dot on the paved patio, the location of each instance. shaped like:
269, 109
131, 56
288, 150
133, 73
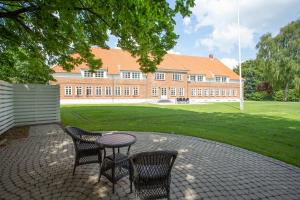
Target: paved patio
40, 167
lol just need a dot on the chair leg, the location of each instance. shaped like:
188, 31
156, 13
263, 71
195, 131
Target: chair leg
74, 169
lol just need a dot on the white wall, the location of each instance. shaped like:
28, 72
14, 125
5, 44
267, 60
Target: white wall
27, 104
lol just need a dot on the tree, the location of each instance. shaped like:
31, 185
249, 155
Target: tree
49, 31
280, 57
252, 75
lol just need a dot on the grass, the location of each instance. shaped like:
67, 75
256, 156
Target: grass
269, 128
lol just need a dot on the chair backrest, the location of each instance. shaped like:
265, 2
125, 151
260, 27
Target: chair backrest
155, 164
74, 132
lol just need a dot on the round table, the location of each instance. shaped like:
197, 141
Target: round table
115, 166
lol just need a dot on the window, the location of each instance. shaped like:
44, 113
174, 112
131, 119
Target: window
88, 91
177, 77
192, 78
181, 92
108, 91
173, 91
206, 92
194, 92
78, 90
99, 74
159, 76
87, 73
126, 91
223, 92
211, 92
221, 79
136, 75
228, 93
118, 91
200, 78
68, 90
154, 91
98, 91
135, 91
217, 92
234, 93
199, 92
131, 75
126, 75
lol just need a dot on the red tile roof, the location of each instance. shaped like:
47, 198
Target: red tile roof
115, 60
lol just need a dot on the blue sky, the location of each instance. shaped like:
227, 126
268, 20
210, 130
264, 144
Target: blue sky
212, 28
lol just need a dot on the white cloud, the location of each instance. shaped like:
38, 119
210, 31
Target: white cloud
230, 62
172, 51
256, 17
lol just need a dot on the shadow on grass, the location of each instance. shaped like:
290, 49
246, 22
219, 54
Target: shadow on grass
273, 136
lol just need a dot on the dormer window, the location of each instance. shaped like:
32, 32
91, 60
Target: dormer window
87, 73
159, 76
131, 75
177, 77
97, 74
197, 78
220, 79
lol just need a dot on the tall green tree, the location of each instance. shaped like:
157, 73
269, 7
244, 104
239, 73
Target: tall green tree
252, 73
49, 31
280, 57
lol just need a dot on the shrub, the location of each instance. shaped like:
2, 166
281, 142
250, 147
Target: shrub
258, 96
294, 95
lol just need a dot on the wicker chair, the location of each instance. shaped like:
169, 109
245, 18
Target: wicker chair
150, 172
86, 149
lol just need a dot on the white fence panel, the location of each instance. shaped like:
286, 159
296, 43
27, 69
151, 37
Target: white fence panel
27, 104
36, 104
6, 106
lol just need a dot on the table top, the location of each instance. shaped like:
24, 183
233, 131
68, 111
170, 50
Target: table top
116, 140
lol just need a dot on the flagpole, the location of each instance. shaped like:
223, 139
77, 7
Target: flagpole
240, 64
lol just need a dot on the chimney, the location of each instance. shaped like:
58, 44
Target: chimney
211, 56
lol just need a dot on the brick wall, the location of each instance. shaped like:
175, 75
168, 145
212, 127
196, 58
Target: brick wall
145, 86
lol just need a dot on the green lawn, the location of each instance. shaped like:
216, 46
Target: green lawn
269, 128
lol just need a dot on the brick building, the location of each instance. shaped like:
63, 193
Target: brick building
120, 81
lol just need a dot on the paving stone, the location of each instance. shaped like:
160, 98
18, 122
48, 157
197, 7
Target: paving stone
40, 167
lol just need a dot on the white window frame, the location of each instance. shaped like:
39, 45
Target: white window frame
118, 91
108, 91
135, 91
211, 92
177, 77
173, 92
126, 91
194, 77
78, 88
136, 75
217, 92
194, 92
206, 92
200, 78
126, 75
160, 76
181, 92
68, 90
154, 92
224, 79
98, 90
223, 93
90, 88
199, 92
87, 74
99, 74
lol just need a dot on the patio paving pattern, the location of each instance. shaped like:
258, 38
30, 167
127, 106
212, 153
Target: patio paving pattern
40, 167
